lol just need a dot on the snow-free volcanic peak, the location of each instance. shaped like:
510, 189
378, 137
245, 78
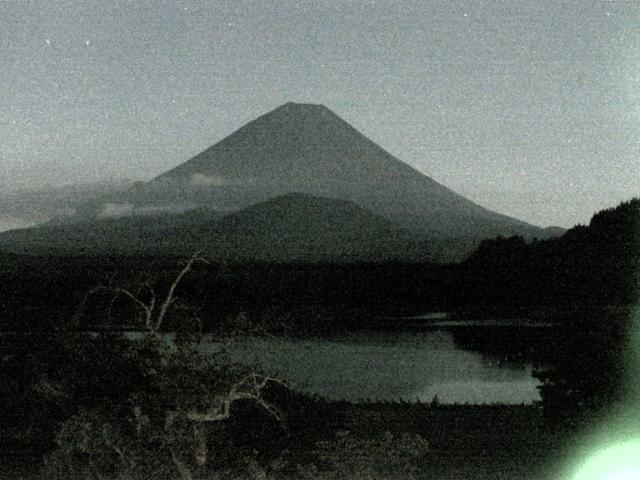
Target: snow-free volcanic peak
308, 148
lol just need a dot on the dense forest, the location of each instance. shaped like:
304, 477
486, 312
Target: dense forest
594, 264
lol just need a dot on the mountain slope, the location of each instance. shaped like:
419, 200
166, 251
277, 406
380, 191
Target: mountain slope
289, 228
308, 148
303, 228
294, 148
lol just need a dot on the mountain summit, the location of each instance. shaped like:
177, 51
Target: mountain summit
308, 148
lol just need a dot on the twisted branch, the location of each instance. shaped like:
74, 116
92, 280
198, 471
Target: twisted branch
170, 296
148, 309
235, 393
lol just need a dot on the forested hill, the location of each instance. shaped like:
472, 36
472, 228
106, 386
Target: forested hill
589, 265
594, 264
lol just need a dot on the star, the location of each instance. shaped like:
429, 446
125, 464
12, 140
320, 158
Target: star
47, 41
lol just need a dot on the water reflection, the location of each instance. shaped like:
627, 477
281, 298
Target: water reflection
381, 366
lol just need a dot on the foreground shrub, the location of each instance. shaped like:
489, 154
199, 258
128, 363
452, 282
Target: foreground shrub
380, 457
174, 424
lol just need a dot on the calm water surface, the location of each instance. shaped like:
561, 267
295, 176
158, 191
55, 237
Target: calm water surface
387, 366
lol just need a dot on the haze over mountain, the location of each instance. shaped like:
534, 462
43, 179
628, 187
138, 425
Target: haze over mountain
150, 233
289, 228
307, 149
23, 208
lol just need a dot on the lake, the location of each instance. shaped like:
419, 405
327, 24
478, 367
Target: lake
382, 366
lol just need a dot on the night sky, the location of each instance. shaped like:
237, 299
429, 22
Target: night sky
529, 108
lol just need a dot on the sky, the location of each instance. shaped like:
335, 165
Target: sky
531, 109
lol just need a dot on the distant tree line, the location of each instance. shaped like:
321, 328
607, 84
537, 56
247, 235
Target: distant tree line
589, 265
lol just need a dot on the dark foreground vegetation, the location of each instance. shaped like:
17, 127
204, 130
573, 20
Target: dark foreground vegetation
81, 401
81, 405
88, 406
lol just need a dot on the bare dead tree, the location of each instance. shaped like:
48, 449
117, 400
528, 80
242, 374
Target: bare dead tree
154, 313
